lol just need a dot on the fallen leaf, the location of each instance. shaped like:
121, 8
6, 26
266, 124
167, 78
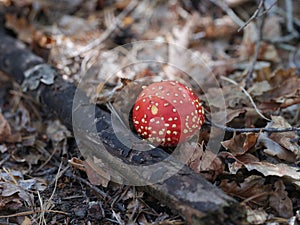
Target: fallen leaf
285, 139
280, 201
239, 144
5, 130
280, 170
252, 186
256, 216
26, 221
96, 177
275, 149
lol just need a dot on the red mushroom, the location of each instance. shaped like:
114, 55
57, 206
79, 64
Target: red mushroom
167, 113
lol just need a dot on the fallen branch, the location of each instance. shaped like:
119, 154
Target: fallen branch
197, 200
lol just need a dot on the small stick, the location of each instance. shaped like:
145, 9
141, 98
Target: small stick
250, 129
260, 21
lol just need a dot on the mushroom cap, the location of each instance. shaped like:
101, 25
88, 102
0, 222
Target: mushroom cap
167, 113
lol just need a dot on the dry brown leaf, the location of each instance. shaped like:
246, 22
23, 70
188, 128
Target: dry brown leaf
280, 201
11, 189
230, 114
285, 139
241, 143
6, 132
252, 186
21, 26
275, 149
258, 88
26, 221
267, 51
205, 162
10, 203
96, 177
280, 170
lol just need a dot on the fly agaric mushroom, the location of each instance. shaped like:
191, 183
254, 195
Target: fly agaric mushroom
167, 113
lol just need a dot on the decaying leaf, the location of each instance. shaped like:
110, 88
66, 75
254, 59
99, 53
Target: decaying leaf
205, 162
274, 149
280, 201
239, 144
14, 189
280, 170
253, 188
285, 139
6, 132
256, 216
96, 177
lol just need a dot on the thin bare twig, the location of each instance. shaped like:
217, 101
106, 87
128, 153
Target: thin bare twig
33, 212
260, 22
229, 12
248, 95
97, 190
254, 129
256, 14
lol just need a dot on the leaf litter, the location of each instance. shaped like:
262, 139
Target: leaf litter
259, 169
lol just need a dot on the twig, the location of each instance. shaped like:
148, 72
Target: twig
260, 21
247, 94
97, 190
255, 129
33, 212
229, 12
256, 14
289, 15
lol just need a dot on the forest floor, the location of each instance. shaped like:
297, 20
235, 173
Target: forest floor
251, 50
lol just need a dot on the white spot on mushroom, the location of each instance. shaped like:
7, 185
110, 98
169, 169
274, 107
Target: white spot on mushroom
185, 131
170, 119
168, 132
137, 108
174, 110
174, 126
